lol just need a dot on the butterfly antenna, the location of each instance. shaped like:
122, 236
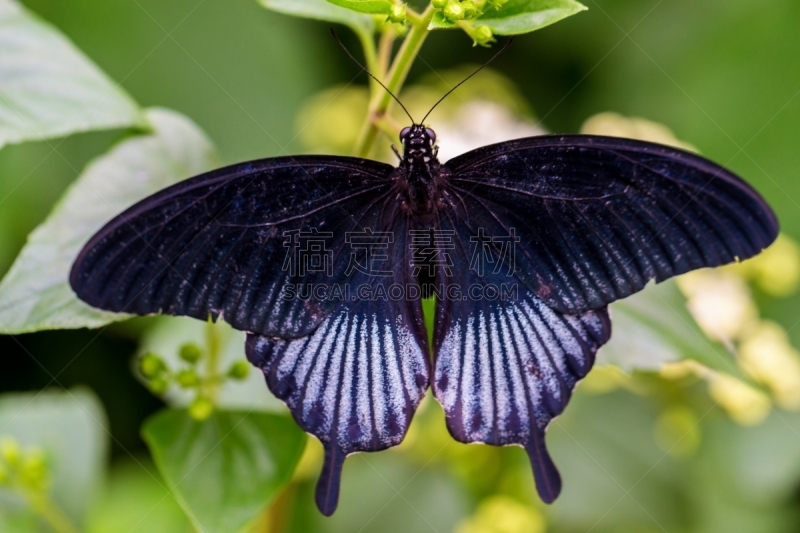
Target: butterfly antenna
371, 75
468, 77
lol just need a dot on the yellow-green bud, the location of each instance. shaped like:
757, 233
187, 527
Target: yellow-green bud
190, 352
151, 365
497, 4
10, 451
33, 471
482, 35
158, 385
439, 4
453, 11
201, 408
187, 378
397, 13
239, 370
470, 10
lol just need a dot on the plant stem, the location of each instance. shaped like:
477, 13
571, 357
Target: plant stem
382, 100
212, 368
370, 56
51, 514
385, 52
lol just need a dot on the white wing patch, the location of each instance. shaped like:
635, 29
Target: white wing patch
505, 369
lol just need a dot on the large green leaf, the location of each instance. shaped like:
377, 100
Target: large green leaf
225, 469
372, 7
48, 88
322, 10
35, 294
135, 500
70, 426
520, 16
654, 327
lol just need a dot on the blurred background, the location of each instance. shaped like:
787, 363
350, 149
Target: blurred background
641, 449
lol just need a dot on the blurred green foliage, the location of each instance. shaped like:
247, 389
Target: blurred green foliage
652, 443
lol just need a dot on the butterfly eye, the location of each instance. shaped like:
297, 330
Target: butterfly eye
404, 133
431, 134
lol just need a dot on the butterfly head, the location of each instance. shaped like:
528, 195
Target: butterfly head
418, 143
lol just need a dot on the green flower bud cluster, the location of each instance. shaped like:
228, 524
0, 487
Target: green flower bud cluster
457, 10
160, 377
24, 469
461, 12
397, 14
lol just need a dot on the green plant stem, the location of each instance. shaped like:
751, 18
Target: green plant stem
370, 56
51, 514
211, 386
385, 52
382, 100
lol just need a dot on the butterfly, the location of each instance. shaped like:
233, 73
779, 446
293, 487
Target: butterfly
570, 223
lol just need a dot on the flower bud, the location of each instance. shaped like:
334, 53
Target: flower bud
158, 385
470, 10
187, 378
201, 408
397, 14
439, 4
151, 365
482, 35
10, 451
190, 352
453, 11
497, 4
33, 471
239, 370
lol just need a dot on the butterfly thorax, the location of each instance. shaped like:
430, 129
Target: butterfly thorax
418, 171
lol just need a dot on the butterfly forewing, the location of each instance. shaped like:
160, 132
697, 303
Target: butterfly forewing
599, 217
229, 243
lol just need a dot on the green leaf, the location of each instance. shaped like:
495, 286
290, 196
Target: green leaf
48, 88
71, 428
167, 336
654, 327
225, 469
35, 294
323, 10
135, 500
372, 7
438, 22
519, 16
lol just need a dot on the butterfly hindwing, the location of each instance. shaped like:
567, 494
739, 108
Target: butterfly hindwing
599, 217
228, 242
357, 380
505, 362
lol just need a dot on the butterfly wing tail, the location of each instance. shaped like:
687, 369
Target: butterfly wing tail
504, 370
354, 383
545, 473
327, 491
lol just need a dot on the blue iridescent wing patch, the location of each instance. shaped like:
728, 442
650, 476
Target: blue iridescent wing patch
505, 363
356, 381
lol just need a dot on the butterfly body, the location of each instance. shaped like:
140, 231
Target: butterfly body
323, 261
419, 173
